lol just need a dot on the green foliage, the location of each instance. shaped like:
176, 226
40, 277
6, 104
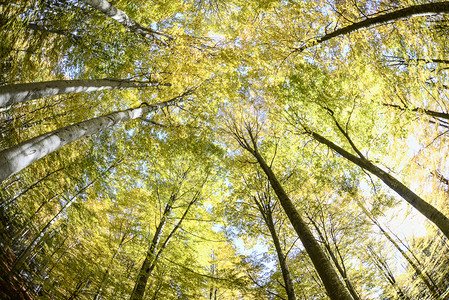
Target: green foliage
368, 90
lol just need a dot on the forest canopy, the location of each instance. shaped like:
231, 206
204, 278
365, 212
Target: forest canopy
224, 149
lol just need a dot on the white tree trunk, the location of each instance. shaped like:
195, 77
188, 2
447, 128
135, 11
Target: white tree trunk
121, 17
16, 158
22, 92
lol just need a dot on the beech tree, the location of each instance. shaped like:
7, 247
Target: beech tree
266, 206
122, 18
22, 92
15, 159
382, 19
351, 104
246, 135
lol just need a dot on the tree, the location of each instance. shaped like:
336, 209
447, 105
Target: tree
266, 206
382, 19
122, 18
22, 92
366, 80
417, 269
335, 255
24, 256
155, 250
18, 157
323, 101
333, 284
434, 215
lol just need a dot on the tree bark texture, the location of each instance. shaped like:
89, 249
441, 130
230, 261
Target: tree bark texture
16, 158
22, 92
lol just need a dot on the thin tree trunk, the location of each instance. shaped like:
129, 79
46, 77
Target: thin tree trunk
148, 265
16, 158
382, 265
266, 211
22, 92
79, 288
334, 287
154, 253
430, 212
6, 204
432, 288
412, 11
421, 110
289, 288
18, 264
122, 18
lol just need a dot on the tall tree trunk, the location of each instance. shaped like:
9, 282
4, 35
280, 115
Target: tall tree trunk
382, 265
412, 11
289, 288
267, 214
16, 158
154, 253
430, 212
332, 283
22, 92
334, 287
122, 18
148, 265
340, 267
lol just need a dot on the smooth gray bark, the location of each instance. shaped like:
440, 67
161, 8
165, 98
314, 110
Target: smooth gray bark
433, 8
22, 92
121, 17
16, 158
334, 287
